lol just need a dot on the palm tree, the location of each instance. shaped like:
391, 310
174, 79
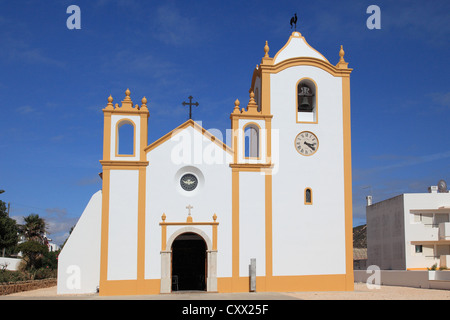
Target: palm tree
34, 228
34, 247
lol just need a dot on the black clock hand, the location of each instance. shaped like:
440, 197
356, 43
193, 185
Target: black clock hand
311, 145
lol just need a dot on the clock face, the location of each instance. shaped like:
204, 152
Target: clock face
188, 182
306, 143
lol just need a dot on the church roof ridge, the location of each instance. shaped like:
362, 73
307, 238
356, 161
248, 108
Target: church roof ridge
185, 125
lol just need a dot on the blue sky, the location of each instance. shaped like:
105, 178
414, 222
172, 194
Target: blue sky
55, 81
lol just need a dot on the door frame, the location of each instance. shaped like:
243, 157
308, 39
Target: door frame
166, 261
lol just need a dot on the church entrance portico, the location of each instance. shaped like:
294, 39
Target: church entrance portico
188, 258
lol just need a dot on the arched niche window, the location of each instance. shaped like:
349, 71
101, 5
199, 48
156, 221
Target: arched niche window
308, 196
251, 140
306, 101
125, 138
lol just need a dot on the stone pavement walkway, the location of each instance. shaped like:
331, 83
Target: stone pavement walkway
361, 292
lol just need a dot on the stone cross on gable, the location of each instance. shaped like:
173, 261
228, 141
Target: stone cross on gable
189, 207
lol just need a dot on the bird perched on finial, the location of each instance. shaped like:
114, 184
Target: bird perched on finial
294, 21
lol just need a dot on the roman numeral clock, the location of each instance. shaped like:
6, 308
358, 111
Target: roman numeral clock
306, 143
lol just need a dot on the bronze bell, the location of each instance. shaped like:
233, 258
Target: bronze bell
305, 104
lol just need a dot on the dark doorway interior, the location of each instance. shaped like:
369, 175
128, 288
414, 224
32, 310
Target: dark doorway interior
188, 262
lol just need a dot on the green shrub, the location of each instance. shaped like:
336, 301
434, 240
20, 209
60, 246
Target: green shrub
13, 276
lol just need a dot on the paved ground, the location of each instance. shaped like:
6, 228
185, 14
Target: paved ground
361, 292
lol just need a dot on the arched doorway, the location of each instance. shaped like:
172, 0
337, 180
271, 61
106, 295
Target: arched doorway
189, 262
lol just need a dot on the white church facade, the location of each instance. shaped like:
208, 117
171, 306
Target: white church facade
188, 212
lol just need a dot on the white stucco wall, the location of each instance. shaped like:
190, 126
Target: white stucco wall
188, 152
308, 239
122, 233
252, 241
12, 264
79, 260
297, 47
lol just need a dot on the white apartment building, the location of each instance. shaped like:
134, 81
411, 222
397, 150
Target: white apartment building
410, 231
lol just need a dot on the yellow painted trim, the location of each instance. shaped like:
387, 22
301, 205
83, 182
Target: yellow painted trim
304, 195
104, 227
258, 116
119, 124
214, 239
249, 124
251, 167
269, 140
130, 287
316, 98
144, 136
123, 165
189, 123
163, 237
141, 228
348, 182
107, 136
189, 222
304, 283
268, 225
234, 138
235, 228
306, 61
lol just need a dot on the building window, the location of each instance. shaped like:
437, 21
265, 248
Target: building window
306, 101
308, 196
419, 248
251, 141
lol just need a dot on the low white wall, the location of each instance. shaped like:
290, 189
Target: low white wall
416, 279
12, 264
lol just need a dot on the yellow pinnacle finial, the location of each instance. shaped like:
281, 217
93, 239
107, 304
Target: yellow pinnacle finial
110, 106
215, 217
163, 217
342, 64
127, 95
266, 50
144, 104
341, 54
236, 106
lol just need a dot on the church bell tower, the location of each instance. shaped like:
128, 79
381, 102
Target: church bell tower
123, 192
